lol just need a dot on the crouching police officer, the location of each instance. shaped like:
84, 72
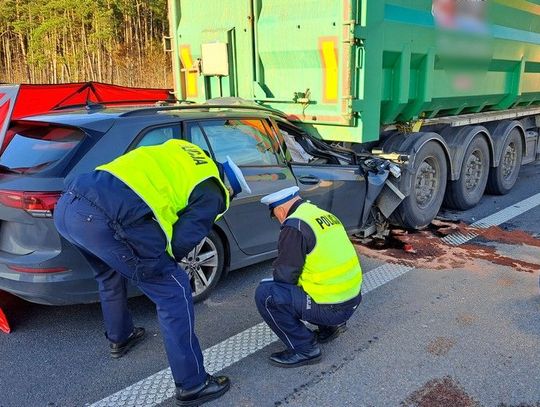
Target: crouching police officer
139, 215
317, 278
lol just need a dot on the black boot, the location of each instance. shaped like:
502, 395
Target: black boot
119, 349
213, 388
289, 358
329, 333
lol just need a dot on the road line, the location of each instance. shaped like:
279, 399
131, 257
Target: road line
496, 219
159, 387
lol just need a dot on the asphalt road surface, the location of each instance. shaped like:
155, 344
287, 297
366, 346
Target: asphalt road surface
467, 334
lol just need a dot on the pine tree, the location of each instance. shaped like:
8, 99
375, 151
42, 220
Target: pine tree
59, 41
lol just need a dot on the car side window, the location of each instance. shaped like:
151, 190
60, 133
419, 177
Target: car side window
246, 141
196, 136
159, 135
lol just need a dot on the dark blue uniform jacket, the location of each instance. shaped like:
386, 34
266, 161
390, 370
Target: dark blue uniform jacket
123, 205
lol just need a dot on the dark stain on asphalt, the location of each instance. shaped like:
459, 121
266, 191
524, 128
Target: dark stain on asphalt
505, 282
465, 319
325, 373
425, 249
440, 346
443, 392
517, 237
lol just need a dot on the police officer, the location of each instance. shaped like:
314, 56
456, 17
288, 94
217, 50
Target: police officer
139, 215
316, 278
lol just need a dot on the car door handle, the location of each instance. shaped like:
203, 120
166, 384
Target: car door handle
309, 180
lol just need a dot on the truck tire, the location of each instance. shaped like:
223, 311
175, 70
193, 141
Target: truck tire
428, 184
466, 192
503, 177
204, 266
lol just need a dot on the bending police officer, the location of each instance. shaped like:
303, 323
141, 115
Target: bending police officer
317, 278
139, 215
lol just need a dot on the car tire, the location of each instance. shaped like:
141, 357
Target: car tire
204, 265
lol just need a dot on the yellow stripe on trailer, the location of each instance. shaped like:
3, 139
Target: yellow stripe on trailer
189, 73
328, 50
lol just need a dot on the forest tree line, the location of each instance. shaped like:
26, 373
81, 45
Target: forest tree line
59, 41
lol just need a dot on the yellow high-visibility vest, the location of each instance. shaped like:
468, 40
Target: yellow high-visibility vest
332, 272
164, 177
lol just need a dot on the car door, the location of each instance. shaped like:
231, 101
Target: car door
250, 144
338, 188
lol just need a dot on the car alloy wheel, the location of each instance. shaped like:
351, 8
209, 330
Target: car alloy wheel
204, 265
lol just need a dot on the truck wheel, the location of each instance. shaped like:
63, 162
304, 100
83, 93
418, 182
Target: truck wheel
502, 178
205, 265
467, 191
428, 183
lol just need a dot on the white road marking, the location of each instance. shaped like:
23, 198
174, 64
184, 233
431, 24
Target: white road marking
159, 387
496, 219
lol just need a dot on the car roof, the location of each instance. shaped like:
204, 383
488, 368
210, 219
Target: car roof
99, 117
93, 121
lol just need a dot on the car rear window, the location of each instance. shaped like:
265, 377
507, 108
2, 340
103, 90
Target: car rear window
33, 148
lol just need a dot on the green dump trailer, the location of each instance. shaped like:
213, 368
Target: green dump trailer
447, 89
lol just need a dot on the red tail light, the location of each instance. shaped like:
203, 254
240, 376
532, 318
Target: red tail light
38, 270
38, 204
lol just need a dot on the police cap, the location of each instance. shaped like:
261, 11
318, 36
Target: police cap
235, 177
280, 197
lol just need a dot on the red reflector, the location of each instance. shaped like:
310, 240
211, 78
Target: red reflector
4, 324
38, 270
29, 201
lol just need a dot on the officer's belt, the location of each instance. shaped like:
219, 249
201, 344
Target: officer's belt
349, 303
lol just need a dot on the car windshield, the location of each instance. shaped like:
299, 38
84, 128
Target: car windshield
32, 148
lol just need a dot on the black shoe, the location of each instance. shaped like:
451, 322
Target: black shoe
119, 349
289, 358
212, 388
326, 334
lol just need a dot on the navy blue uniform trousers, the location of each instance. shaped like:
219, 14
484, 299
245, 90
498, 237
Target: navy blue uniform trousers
135, 252
284, 306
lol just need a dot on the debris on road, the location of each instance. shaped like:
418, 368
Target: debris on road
442, 392
466, 319
444, 228
408, 248
426, 249
440, 346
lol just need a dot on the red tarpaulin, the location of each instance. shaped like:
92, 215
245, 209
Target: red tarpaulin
34, 99
17, 101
